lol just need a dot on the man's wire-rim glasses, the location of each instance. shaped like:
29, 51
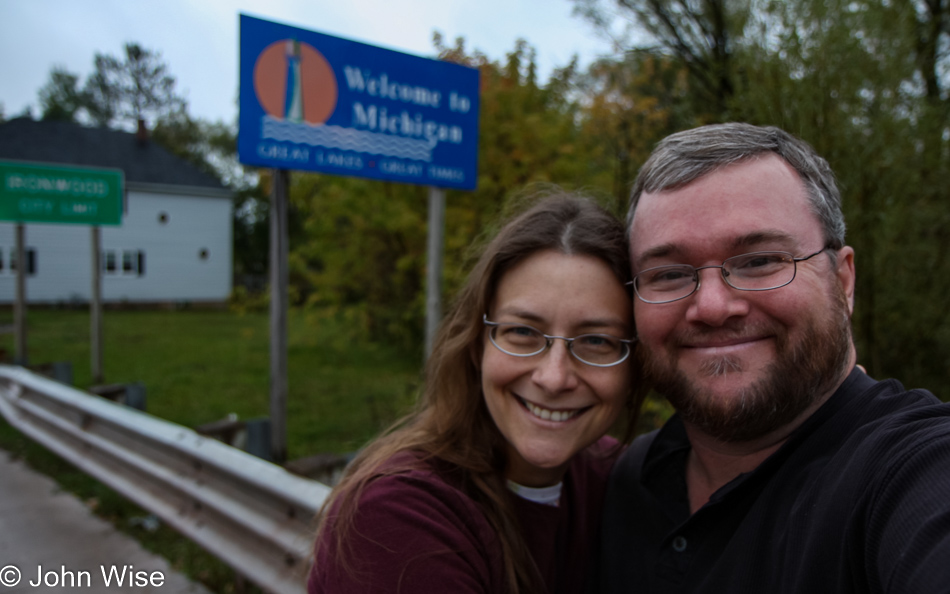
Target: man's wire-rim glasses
756, 271
521, 340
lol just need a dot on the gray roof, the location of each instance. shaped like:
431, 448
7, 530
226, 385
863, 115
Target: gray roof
24, 139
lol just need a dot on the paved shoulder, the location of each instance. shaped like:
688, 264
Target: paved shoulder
50, 542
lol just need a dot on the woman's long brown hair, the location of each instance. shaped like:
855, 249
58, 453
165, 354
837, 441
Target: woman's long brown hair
451, 422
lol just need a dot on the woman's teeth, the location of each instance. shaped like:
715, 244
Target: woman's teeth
550, 415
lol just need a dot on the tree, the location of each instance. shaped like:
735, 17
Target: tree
61, 98
530, 138
124, 91
702, 35
630, 104
932, 41
118, 92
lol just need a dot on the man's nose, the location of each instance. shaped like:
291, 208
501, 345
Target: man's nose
715, 301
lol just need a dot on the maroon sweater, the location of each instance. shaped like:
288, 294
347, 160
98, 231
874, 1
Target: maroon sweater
417, 532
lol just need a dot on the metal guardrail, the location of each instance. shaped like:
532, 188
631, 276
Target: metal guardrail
252, 514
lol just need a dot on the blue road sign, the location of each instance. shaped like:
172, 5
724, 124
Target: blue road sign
309, 101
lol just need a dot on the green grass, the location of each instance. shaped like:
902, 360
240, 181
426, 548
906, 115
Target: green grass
199, 366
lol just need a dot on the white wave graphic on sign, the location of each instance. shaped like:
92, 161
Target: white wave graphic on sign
347, 139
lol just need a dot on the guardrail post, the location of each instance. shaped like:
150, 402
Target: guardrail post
131, 395
63, 372
258, 438
135, 396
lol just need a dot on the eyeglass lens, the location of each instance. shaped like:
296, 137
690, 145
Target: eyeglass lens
597, 349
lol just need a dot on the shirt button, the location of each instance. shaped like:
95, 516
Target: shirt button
679, 544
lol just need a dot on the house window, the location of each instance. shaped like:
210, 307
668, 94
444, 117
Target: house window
108, 262
30, 261
132, 262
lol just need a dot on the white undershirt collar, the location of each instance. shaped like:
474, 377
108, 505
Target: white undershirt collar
544, 495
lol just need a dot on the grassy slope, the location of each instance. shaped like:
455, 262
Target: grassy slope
198, 366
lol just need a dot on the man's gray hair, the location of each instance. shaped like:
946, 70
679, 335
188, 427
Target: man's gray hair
684, 157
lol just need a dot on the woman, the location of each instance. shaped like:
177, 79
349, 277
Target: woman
495, 482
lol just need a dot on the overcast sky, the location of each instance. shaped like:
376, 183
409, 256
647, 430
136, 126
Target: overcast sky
198, 39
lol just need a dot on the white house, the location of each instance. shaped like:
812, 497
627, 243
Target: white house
174, 243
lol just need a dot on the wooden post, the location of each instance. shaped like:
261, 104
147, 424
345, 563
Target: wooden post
19, 307
278, 315
95, 308
436, 240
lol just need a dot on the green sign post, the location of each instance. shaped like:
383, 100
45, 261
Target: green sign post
42, 193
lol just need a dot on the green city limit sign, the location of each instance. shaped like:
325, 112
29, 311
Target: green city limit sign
43, 193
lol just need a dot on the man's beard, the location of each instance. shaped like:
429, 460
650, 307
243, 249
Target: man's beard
799, 376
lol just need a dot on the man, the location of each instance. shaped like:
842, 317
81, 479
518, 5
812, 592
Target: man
786, 468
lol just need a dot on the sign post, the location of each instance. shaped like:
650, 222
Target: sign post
47, 193
95, 308
436, 240
19, 308
278, 315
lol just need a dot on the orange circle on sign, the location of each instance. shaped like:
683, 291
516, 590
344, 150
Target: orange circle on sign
318, 84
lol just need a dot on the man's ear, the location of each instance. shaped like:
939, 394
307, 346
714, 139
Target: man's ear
845, 273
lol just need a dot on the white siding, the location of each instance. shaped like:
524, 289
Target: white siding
174, 270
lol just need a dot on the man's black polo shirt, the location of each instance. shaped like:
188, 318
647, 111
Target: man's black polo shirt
857, 500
